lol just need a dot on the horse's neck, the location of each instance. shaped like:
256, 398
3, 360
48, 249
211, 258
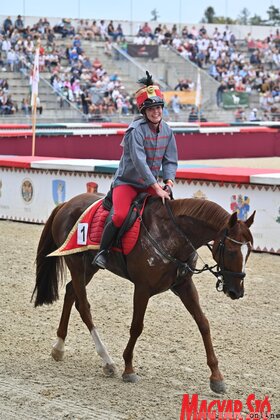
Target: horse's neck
200, 220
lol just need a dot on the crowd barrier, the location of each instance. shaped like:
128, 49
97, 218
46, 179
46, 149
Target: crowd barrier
102, 140
30, 187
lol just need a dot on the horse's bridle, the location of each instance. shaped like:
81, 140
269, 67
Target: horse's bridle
221, 273
218, 270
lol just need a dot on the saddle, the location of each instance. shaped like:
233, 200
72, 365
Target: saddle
86, 234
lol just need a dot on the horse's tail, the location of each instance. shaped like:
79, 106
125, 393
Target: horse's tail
49, 270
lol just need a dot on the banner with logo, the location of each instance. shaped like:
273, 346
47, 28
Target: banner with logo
147, 51
234, 99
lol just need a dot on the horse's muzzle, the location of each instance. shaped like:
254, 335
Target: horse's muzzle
233, 284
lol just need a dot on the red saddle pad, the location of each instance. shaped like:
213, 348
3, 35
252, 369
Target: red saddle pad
87, 232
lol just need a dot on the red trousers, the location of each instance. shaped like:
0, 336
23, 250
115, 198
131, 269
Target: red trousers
123, 195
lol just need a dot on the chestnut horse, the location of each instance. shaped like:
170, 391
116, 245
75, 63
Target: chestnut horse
164, 258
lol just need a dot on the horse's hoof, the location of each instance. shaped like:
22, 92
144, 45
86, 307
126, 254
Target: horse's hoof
58, 355
218, 387
109, 370
131, 377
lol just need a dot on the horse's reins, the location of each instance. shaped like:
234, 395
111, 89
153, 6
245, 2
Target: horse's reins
183, 267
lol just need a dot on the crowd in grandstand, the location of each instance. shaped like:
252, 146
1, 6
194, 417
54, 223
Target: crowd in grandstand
252, 65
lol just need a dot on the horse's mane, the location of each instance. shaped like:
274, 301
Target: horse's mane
204, 210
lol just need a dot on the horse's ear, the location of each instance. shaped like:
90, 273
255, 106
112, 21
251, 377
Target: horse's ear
250, 221
233, 219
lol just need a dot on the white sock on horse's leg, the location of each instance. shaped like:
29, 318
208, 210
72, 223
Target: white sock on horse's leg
100, 348
58, 349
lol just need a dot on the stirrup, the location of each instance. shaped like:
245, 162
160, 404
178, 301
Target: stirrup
101, 259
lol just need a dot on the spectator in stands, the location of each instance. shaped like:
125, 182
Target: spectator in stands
119, 33
39, 107
123, 44
46, 23
4, 85
73, 55
76, 89
85, 101
146, 30
193, 115
111, 29
50, 35
64, 28
266, 116
254, 115
77, 44
12, 60
185, 32
25, 106
212, 70
7, 105
240, 114
40, 28
183, 85
158, 30
2, 68
95, 30
167, 36
6, 46
108, 48
176, 106
19, 25
255, 58
121, 105
28, 47
8, 26
102, 29
137, 171
275, 113
219, 94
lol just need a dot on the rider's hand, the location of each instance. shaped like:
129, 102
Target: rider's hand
168, 189
161, 192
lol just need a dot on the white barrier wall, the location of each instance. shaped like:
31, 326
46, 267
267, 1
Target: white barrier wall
31, 194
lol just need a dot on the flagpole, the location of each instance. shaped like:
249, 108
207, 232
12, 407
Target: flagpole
34, 95
34, 117
198, 94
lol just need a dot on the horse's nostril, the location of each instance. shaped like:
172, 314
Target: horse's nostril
233, 295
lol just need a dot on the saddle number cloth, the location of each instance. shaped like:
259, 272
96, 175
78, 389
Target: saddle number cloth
87, 232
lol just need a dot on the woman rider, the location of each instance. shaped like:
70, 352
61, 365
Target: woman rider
148, 145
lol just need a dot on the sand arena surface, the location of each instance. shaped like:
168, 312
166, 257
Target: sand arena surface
169, 355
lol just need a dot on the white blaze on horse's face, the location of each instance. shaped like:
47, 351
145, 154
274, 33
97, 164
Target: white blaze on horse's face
244, 251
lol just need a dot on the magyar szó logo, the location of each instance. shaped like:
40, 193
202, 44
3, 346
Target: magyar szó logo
27, 190
58, 191
251, 409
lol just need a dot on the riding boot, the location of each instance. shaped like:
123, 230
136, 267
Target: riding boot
109, 234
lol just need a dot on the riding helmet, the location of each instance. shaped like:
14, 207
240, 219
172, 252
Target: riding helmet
148, 96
